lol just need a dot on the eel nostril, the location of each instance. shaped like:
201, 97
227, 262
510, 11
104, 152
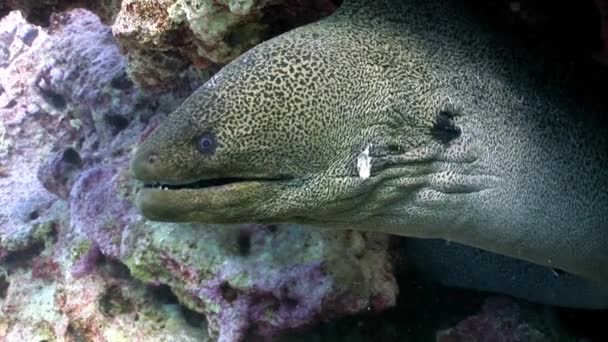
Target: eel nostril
152, 158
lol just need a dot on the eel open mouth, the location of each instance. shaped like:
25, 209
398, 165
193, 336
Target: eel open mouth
209, 183
200, 184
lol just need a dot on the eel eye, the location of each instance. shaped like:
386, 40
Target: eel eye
206, 143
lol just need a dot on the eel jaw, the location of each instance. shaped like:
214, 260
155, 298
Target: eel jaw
199, 184
218, 200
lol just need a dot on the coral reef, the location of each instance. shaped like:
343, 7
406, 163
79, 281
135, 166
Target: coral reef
100, 307
499, 321
39, 12
254, 281
54, 282
23, 143
165, 38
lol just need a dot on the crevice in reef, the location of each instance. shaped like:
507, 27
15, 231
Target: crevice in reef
229, 293
23, 258
75, 334
4, 284
244, 242
114, 268
193, 318
114, 302
588, 324
163, 294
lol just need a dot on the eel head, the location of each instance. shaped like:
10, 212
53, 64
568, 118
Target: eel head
310, 127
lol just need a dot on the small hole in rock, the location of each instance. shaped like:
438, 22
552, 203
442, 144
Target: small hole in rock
228, 292
163, 294
3, 286
54, 99
291, 303
193, 318
121, 82
119, 122
34, 215
114, 269
244, 242
71, 156
24, 257
12, 103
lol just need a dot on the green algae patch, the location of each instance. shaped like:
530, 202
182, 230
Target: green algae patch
79, 249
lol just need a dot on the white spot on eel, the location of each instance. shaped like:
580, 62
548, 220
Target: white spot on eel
364, 163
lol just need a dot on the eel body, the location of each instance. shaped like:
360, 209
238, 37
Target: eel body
407, 117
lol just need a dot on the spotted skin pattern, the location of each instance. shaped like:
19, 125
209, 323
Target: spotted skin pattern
467, 143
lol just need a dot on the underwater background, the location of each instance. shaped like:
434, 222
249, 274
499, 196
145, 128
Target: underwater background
83, 82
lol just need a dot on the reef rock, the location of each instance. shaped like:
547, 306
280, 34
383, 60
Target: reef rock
498, 321
99, 307
54, 282
39, 12
262, 280
23, 142
164, 38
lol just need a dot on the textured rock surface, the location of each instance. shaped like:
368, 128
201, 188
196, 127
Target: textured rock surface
54, 282
21, 220
164, 38
39, 12
99, 307
498, 321
261, 280
169, 35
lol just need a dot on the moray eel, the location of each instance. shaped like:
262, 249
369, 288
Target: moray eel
406, 117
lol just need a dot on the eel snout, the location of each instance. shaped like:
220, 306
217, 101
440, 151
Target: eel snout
145, 166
